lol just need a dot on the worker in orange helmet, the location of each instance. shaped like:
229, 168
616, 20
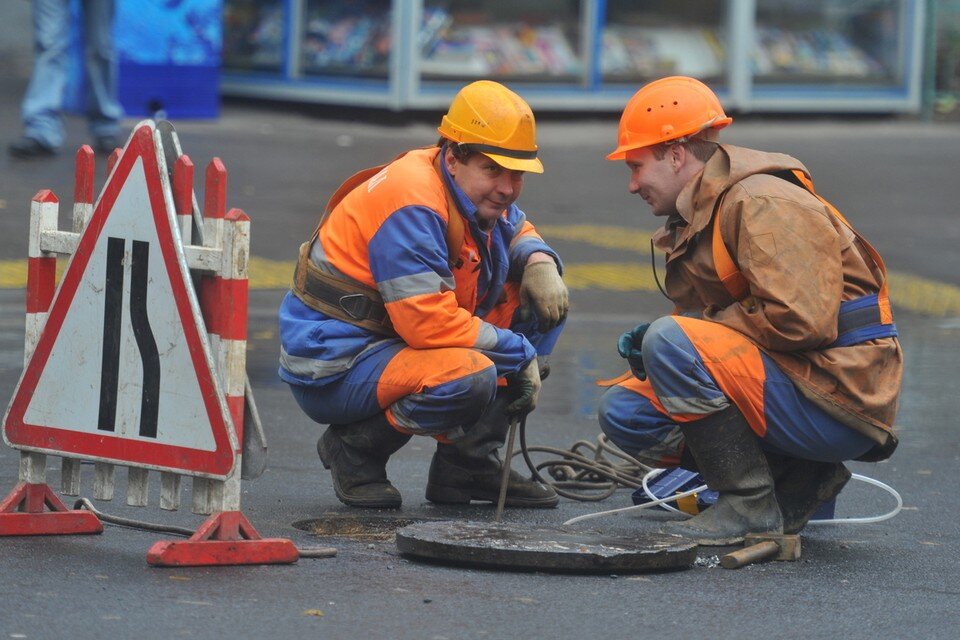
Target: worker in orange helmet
781, 359
426, 304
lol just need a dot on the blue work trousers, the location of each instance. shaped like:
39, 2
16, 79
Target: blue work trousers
696, 368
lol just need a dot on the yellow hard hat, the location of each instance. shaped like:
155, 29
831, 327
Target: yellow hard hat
668, 109
487, 117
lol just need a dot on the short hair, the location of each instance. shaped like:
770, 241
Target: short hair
462, 155
701, 148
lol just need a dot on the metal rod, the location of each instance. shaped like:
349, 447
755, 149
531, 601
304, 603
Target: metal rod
505, 470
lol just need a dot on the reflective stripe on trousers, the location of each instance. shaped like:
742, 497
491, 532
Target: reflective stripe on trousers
423, 391
695, 368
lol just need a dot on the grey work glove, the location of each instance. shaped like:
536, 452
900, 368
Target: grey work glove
525, 386
628, 346
543, 288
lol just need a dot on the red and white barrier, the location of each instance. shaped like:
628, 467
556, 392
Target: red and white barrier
32, 508
208, 331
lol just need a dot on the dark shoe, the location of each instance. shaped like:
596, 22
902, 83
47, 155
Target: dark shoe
803, 485
356, 455
469, 469
28, 148
456, 479
105, 145
733, 464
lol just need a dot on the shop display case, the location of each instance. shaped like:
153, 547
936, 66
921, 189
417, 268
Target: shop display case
830, 52
513, 40
253, 36
759, 55
646, 40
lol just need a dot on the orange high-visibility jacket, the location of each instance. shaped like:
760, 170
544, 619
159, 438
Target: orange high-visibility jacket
390, 233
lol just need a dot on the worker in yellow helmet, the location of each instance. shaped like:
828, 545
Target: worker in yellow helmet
781, 359
421, 307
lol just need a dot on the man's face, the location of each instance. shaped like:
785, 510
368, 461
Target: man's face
658, 182
490, 187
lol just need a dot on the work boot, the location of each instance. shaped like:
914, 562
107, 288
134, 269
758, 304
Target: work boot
357, 454
803, 485
733, 464
470, 468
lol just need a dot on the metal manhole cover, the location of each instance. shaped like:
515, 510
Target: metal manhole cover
515, 547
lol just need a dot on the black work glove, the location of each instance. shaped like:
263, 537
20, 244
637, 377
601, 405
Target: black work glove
629, 347
525, 387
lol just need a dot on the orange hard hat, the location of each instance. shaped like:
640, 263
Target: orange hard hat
487, 117
668, 109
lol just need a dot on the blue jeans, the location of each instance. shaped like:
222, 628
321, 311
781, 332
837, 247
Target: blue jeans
43, 102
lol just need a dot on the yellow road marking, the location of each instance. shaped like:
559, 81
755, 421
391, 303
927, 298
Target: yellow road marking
908, 292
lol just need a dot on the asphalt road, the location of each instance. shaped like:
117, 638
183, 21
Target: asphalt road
894, 179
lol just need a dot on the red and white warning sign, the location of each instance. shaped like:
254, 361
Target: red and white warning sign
123, 370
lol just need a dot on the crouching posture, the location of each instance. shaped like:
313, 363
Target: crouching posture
781, 360
420, 307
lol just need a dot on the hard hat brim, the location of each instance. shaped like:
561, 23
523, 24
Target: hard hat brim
533, 165
620, 153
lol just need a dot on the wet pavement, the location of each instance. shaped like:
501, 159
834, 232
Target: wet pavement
893, 178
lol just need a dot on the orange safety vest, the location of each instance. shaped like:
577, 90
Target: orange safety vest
351, 301
736, 285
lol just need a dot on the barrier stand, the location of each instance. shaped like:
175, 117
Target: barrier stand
38, 423
23, 512
227, 537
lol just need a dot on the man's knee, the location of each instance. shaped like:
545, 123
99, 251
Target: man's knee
612, 415
452, 404
658, 336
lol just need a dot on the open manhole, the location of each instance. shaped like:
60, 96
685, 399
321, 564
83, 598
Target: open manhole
357, 527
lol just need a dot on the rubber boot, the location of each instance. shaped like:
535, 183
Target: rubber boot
733, 464
357, 454
470, 468
803, 485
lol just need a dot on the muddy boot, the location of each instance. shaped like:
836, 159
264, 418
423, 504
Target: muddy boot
357, 454
733, 464
469, 469
803, 485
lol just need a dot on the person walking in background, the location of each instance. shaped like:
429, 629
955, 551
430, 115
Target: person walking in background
42, 105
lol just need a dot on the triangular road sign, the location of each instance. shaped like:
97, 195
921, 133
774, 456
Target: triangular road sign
122, 371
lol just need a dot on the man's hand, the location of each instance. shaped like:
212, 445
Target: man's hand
629, 347
543, 288
526, 387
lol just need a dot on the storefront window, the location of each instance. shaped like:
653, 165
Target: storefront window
828, 41
503, 39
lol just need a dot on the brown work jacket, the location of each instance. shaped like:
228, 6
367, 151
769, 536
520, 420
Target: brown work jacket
800, 263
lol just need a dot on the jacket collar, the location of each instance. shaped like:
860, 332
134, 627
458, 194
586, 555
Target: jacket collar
698, 198
464, 204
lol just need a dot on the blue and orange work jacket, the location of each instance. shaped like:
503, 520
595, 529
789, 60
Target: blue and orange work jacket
389, 233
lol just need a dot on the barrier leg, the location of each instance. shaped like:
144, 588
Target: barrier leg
23, 513
226, 538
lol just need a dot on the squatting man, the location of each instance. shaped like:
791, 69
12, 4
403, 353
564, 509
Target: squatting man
426, 303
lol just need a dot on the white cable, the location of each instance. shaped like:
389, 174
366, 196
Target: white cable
662, 501
645, 505
867, 519
653, 473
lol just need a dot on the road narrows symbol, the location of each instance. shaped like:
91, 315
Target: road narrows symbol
112, 318
146, 343
150, 402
